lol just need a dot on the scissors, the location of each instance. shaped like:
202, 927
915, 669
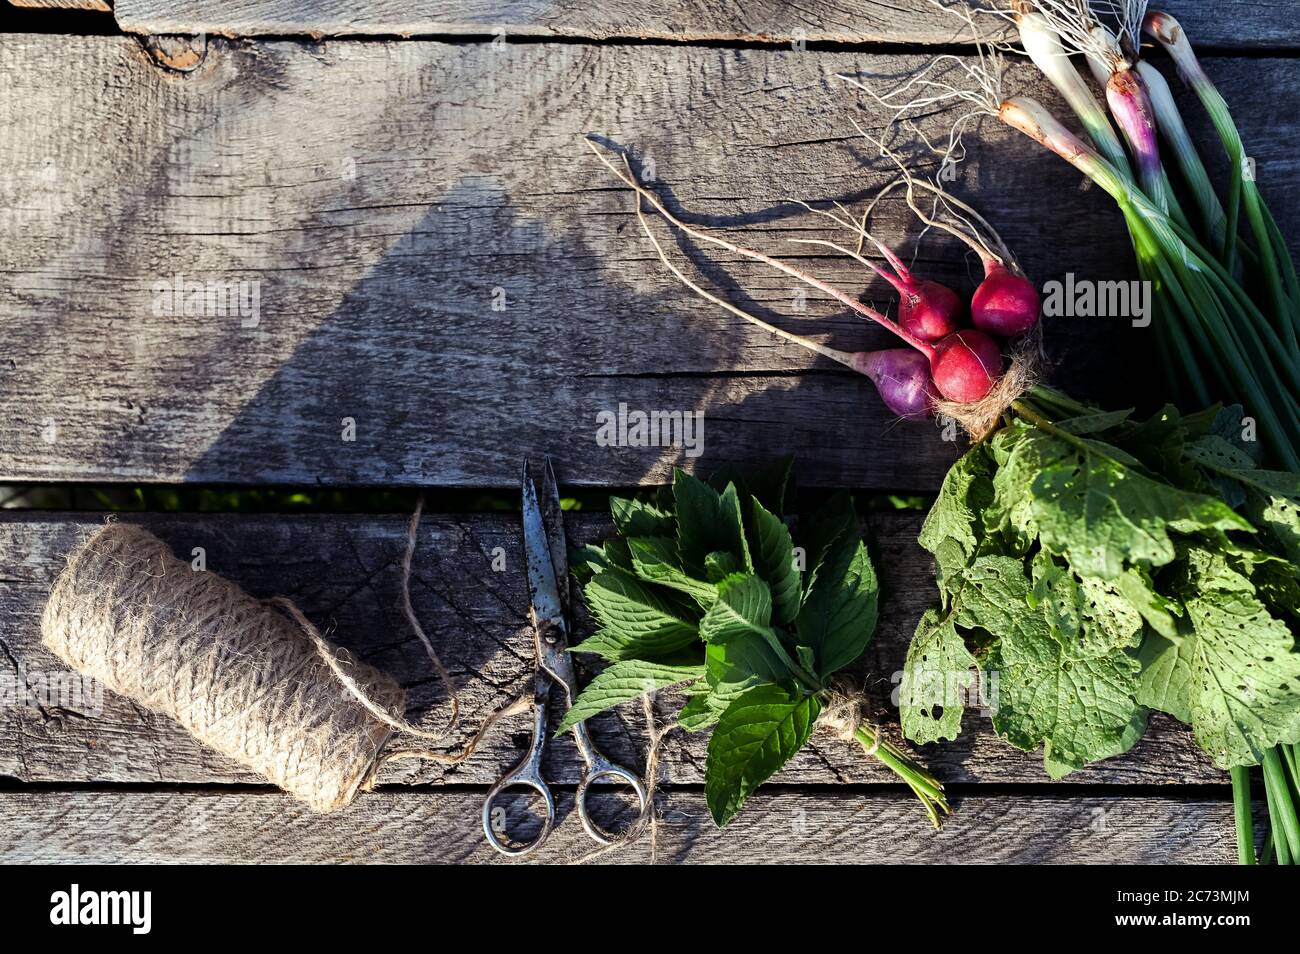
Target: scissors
548, 582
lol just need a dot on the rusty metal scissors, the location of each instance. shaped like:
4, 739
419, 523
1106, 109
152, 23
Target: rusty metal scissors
548, 582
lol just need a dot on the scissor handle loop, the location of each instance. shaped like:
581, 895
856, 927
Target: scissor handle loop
525, 776
600, 768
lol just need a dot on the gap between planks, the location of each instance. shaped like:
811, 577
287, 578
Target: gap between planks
1226, 23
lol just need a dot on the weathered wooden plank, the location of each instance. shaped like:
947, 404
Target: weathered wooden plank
383, 199
99, 6
776, 827
1236, 23
344, 570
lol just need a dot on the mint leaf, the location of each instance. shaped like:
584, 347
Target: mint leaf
697, 714
707, 522
823, 529
757, 734
586, 561
733, 525
624, 680
637, 622
774, 562
735, 668
743, 608
936, 676
719, 565
741, 620
838, 616
699, 525
655, 560
635, 518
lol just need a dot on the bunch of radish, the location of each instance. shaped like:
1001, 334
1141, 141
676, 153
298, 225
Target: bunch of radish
944, 360
959, 364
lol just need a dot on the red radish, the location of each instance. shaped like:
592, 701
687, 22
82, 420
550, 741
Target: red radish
926, 309
1005, 304
966, 365
929, 311
902, 376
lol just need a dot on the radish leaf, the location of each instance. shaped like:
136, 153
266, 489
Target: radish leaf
936, 679
1237, 671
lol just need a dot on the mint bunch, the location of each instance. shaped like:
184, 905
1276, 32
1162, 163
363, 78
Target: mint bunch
1096, 568
707, 588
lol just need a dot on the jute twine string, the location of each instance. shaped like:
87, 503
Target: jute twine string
254, 680
841, 716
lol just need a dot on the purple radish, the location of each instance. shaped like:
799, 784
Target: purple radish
1005, 304
902, 376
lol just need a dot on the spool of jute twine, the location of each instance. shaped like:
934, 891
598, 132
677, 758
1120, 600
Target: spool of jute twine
251, 679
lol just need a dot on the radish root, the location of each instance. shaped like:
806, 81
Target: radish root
978, 418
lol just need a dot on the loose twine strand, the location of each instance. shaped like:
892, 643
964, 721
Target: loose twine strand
648, 819
327, 652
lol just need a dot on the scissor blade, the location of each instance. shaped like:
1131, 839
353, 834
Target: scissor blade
548, 611
553, 516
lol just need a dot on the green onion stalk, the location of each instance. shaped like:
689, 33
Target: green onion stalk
1226, 344
1275, 267
1214, 222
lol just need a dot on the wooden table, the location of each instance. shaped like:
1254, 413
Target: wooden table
440, 260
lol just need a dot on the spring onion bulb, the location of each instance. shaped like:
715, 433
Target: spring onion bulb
1129, 103
1170, 121
1275, 261
1045, 49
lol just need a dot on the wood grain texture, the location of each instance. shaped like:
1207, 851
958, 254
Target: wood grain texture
1252, 23
776, 827
344, 571
99, 6
383, 195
